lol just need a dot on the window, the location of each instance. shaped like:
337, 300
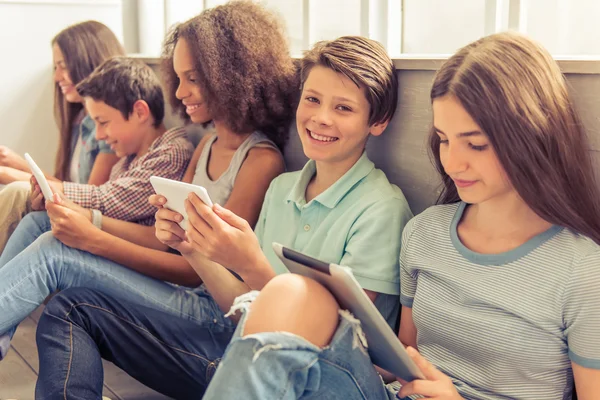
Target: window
566, 27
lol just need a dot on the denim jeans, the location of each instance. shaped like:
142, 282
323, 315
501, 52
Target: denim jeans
32, 226
172, 355
48, 265
280, 365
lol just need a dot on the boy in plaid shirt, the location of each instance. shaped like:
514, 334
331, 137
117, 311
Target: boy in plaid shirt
125, 99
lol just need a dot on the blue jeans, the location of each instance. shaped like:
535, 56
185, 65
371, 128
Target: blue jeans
48, 265
279, 365
32, 226
79, 327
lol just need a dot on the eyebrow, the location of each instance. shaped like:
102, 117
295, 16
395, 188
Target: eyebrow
462, 134
185, 72
338, 98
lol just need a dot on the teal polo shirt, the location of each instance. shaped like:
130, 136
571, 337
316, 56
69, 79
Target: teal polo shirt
357, 222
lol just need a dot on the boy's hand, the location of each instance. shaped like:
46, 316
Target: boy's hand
9, 158
65, 202
436, 385
71, 226
37, 198
221, 236
167, 226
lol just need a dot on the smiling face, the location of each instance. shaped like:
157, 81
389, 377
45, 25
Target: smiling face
467, 154
125, 137
188, 90
62, 77
333, 118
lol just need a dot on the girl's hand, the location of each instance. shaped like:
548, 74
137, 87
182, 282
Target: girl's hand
9, 158
167, 226
71, 227
221, 236
36, 197
436, 385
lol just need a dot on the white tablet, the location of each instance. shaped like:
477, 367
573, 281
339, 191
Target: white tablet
176, 193
41, 179
385, 349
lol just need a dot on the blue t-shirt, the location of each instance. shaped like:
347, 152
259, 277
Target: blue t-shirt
502, 325
90, 147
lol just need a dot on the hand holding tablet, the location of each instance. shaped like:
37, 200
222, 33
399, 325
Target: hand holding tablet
176, 193
40, 178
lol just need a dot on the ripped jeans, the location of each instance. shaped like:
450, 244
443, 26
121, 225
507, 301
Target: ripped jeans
280, 365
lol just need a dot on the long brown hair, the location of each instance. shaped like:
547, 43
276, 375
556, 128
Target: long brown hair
84, 47
247, 76
516, 93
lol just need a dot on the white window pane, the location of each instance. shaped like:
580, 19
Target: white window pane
214, 3
151, 24
330, 19
442, 26
181, 10
565, 26
293, 17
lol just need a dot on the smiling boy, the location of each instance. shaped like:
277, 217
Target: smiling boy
338, 208
124, 98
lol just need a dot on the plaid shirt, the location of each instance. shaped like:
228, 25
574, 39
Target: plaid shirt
125, 195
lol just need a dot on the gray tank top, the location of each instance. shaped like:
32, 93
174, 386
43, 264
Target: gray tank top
219, 190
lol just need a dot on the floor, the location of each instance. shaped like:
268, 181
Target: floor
18, 372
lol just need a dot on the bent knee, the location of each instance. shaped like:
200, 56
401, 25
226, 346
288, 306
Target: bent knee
16, 190
61, 304
295, 304
14, 197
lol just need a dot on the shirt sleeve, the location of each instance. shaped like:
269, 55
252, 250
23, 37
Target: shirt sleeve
373, 245
582, 312
408, 282
126, 196
259, 229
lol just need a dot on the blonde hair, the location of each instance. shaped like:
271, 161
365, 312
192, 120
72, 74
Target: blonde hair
516, 93
366, 63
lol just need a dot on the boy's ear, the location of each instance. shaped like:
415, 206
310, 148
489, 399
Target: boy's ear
377, 128
141, 111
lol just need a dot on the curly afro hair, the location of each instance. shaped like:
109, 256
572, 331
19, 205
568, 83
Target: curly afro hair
246, 73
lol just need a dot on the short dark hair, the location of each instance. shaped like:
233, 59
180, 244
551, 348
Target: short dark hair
366, 63
120, 82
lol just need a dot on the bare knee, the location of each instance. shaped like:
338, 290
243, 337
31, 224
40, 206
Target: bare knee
295, 304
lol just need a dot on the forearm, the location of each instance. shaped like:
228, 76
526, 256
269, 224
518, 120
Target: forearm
154, 263
257, 273
22, 166
223, 286
10, 175
135, 233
